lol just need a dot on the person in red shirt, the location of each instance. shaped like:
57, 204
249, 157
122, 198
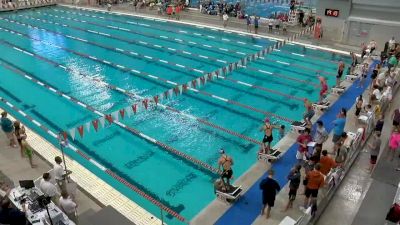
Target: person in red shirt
303, 140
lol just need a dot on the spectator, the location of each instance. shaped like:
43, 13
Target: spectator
68, 206
49, 189
341, 153
270, 188
392, 62
363, 50
326, 162
376, 94
372, 46
8, 127
10, 215
375, 148
321, 135
396, 117
302, 141
294, 178
339, 125
359, 105
379, 123
315, 180
394, 142
392, 44
20, 134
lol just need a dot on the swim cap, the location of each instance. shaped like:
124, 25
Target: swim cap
266, 120
221, 151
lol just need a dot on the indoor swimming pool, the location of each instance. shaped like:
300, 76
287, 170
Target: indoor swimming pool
66, 67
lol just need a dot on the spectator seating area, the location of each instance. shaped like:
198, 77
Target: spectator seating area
24, 4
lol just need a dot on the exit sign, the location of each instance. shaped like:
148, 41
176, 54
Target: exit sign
332, 12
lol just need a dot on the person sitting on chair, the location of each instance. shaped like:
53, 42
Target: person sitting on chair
226, 163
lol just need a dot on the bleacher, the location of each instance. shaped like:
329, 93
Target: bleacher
24, 4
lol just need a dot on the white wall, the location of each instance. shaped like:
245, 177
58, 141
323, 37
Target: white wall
333, 27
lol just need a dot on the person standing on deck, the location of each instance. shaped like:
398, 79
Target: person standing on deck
268, 136
248, 21
270, 188
256, 18
339, 75
225, 17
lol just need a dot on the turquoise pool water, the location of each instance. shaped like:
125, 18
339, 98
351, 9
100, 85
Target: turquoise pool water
178, 184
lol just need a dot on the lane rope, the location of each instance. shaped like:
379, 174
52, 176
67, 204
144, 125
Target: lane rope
170, 30
95, 163
180, 52
153, 59
145, 74
125, 127
135, 96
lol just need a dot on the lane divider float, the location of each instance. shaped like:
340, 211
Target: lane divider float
95, 163
131, 130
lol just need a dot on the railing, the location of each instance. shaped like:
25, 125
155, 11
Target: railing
336, 176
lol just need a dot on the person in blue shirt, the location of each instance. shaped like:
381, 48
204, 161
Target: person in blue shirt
339, 124
8, 127
256, 18
270, 188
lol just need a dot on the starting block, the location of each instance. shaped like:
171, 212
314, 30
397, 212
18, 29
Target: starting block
321, 106
228, 193
274, 155
298, 126
351, 78
338, 90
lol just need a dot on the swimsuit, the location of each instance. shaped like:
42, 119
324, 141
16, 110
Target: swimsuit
268, 139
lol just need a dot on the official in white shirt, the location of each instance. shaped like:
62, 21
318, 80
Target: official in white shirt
68, 206
59, 173
49, 189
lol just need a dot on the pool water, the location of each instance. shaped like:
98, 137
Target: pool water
177, 183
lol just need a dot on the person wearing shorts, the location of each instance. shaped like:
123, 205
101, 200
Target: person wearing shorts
268, 138
339, 73
339, 124
294, 178
309, 113
375, 148
270, 188
256, 18
315, 180
359, 105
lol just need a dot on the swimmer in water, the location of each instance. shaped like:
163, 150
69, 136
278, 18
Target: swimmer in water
309, 113
324, 89
268, 138
339, 73
225, 163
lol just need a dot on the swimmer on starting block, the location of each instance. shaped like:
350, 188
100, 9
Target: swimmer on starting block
324, 89
268, 138
225, 163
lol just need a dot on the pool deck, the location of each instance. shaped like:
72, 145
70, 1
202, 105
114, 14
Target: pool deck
95, 192
107, 195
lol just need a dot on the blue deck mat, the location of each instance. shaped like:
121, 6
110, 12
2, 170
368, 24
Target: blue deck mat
248, 208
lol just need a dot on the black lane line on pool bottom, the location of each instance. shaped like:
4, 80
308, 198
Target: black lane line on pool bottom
173, 66
125, 69
205, 168
202, 121
179, 208
185, 55
169, 30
